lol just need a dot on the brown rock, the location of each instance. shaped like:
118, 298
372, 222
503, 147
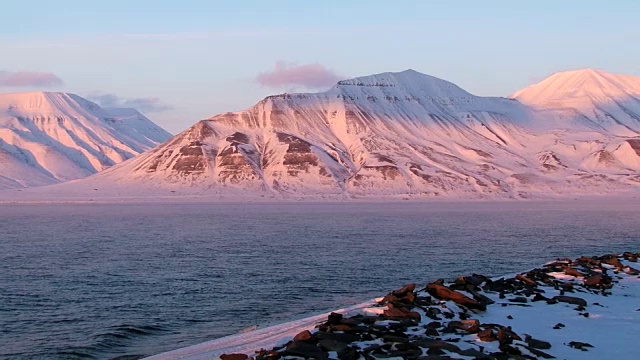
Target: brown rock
526, 280
594, 280
303, 336
402, 314
234, 357
470, 326
404, 290
340, 327
487, 335
572, 272
631, 271
443, 292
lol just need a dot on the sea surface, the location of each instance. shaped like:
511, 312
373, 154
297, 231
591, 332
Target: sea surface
103, 281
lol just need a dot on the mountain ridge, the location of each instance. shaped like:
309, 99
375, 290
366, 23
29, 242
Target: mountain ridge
50, 137
395, 134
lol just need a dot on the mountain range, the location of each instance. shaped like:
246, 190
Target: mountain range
46, 138
406, 134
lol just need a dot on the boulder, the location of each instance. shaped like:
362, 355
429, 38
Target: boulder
396, 313
334, 319
593, 281
303, 336
572, 272
535, 343
570, 300
468, 326
526, 280
444, 293
234, 357
305, 350
487, 335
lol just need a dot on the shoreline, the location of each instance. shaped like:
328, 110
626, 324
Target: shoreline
559, 309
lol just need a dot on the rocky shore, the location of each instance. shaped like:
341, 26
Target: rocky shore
567, 309
587, 308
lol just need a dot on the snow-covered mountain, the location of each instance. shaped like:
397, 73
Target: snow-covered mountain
588, 98
402, 134
47, 138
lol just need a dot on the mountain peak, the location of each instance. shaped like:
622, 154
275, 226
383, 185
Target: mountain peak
44, 102
408, 82
586, 84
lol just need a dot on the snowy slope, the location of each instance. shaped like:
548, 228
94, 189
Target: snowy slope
405, 134
592, 98
47, 138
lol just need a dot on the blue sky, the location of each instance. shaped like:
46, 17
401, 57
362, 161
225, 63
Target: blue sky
183, 61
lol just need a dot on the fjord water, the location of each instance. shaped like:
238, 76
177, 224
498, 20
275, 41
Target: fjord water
110, 280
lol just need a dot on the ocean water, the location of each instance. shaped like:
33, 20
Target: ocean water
104, 281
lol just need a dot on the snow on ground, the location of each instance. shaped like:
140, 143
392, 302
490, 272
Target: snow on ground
524, 318
248, 342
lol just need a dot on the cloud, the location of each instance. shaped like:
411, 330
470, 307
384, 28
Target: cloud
310, 76
150, 104
28, 78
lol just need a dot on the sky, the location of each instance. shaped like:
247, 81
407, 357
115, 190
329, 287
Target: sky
182, 61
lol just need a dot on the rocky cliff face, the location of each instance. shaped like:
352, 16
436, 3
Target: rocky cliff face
398, 133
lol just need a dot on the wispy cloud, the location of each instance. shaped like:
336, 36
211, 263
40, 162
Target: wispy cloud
151, 104
28, 79
286, 74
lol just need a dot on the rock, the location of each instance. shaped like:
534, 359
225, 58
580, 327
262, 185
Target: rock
444, 293
395, 313
510, 350
572, 272
406, 351
341, 327
433, 313
612, 260
579, 345
305, 350
631, 271
519, 299
593, 281
267, 355
395, 338
334, 319
303, 336
331, 345
506, 336
348, 353
487, 335
570, 300
526, 280
539, 353
482, 299
535, 343
539, 297
468, 326
558, 326
405, 290
343, 338
234, 357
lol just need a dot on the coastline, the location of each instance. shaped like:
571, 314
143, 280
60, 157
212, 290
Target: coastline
560, 309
